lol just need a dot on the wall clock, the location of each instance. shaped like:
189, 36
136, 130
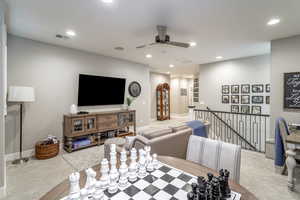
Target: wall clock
134, 89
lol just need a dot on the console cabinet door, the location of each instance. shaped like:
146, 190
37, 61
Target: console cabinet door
91, 123
77, 125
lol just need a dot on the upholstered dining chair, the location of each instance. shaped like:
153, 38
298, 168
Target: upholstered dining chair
216, 155
284, 132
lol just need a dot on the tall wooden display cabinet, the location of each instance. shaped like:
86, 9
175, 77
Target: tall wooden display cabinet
163, 101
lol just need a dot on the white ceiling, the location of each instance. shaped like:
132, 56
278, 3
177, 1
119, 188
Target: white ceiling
230, 28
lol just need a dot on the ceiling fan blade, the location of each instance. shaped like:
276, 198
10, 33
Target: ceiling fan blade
179, 44
141, 46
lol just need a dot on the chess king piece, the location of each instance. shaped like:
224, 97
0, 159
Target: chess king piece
104, 179
74, 186
90, 181
150, 167
132, 175
155, 161
148, 154
98, 193
123, 170
114, 174
142, 164
227, 191
84, 195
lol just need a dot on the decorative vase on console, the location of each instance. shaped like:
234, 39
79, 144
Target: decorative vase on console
129, 101
73, 109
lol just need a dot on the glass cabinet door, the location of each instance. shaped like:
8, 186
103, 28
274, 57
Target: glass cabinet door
77, 125
91, 123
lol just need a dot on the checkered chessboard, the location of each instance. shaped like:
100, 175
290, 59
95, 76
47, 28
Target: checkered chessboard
165, 183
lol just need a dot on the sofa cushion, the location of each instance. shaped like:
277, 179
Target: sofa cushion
153, 133
178, 127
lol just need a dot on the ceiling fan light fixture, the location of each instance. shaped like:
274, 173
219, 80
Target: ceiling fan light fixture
219, 57
70, 33
273, 21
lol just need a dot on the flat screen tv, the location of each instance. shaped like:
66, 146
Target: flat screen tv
100, 90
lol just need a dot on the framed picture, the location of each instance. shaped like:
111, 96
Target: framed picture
245, 89
225, 89
257, 99
256, 110
235, 108
291, 83
235, 89
235, 99
225, 98
267, 99
258, 88
245, 99
245, 109
183, 92
268, 88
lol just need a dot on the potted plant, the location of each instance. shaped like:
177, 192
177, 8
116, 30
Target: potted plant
129, 101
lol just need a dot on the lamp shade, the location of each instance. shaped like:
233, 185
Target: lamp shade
21, 94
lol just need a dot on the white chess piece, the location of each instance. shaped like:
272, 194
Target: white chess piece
90, 181
104, 179
148, 154
74, 186
114, 174
98, 193
133, 166
142, 164
84, 195
155, 161
150, 167
123, 181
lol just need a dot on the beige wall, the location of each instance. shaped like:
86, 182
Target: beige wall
179, 104
2, 100
53, 72
285, 57
155, 80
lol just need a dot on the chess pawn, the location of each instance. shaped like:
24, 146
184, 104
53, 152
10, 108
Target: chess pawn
84, 195
98, 193
142, 164
148, 154
74, 186
123, 181
132, 175
150, 167
104, 179
90, 181
155, 161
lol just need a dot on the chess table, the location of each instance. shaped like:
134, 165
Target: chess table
61, 190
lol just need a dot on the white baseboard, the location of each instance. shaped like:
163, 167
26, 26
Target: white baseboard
2, 192
14, 156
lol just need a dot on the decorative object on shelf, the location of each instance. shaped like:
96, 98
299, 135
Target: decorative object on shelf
163, 101
225, 89
258, 88
134, 89
129, 101
235, 109
19, 94
235, 89
257, 99
292, 90
245, 99
73, 109
245, 109
196, 90
268, 88
256, 110
225, 99
267, 99
47, 148
235, 99
245, 88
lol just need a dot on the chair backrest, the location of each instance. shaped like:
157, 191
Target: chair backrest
283, 132
215, 155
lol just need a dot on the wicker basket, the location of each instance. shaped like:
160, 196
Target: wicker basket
46, 151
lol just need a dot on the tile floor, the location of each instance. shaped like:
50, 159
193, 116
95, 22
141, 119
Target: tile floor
33, 179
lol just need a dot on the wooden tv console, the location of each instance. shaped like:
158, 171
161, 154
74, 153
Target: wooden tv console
97, 127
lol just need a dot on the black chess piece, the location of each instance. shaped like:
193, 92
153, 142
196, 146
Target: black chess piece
222, 186
215, 189
227, 190
190, 196
210, 177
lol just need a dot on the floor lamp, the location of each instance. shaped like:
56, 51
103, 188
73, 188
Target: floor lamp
18, 94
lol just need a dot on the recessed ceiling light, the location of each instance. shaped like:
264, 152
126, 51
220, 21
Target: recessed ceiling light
219, 57
171, 65
148, 56
107, 1
71, 33
273, 21
192, 44
168, 72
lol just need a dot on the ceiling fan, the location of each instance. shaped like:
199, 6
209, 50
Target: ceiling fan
163, 38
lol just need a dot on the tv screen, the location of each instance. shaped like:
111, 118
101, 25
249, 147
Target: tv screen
100, 90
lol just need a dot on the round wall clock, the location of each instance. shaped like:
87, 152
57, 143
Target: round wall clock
134, 89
